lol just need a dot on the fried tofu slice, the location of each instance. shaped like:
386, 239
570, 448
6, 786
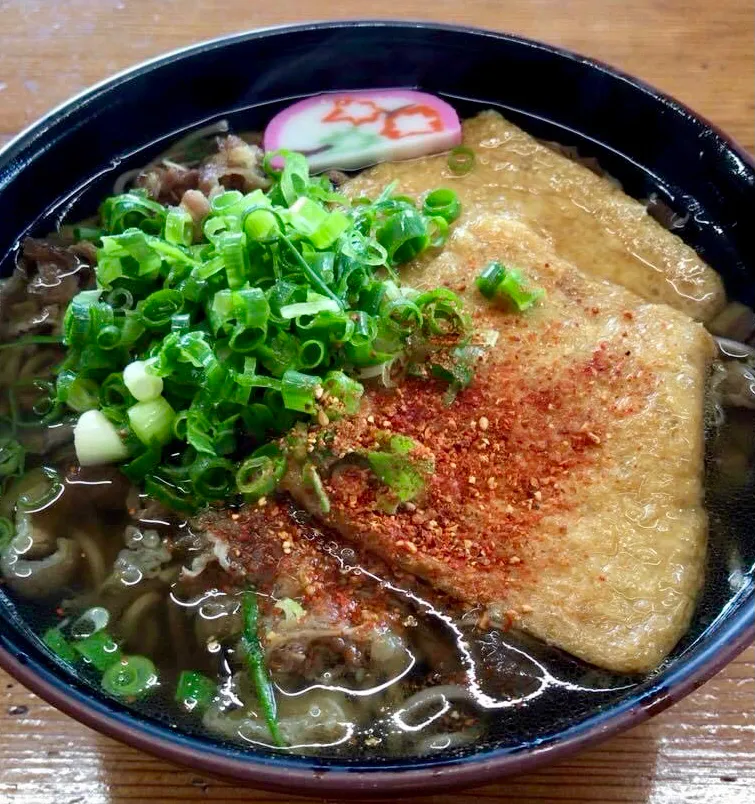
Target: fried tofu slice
587, 219
567, 493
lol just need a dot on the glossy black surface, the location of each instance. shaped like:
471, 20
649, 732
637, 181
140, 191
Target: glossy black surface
647, 141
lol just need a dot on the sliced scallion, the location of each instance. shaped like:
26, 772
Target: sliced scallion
259, 475
263, 686
179, 227
507, 284
12, 456
141, 382
213, 478
99, 650
130, 677
216, 339
194, 691
461, 160
60, 646
7, 530
152, 421
299, 391
404, 235
442, 203
97, 440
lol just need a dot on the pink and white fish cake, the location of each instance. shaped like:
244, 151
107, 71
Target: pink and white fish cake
351, 130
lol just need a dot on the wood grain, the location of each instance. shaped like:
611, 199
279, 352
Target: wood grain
703, 749
700, 51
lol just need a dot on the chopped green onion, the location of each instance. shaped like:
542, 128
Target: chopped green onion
120, 299
403, 235
443, 312
141, 382
315, 304
79, 393
91, 621
142, 465
114, 393
7, 531
232, 248
121, 212
256, 663
46, 491
159, 307
461, 160
212, 478
313, 481
457, 369
364, 250
508, 284
60, 646
402, 444
292, 609
33, 340
194, 691
330, 230
152, 421
172, 495
259, 475
311, 354
243, 314
299, 391
488, 280
130, 677
307, 216
344, 394
315, 280
293, 180
442, 203
406, 477
403, 314
180, 322
261, 225
220, 338
12, 456
97, 440
437, 229
179, 227
109, 337
99, 650
226, 201
130, 254
77, 324
90, 233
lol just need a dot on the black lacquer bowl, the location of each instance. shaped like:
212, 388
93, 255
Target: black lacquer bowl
651, 143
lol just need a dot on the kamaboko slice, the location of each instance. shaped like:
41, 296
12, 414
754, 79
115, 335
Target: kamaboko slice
351, 130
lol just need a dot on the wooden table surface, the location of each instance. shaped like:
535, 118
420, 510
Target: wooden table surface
703, 52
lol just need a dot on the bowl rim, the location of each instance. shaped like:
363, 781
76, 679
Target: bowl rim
330, 778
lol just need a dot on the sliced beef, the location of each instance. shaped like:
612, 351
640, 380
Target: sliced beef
167, 182
34, 298
236, 166
317, 613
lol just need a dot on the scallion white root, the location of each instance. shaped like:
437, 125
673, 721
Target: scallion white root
97, 441
143, 385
